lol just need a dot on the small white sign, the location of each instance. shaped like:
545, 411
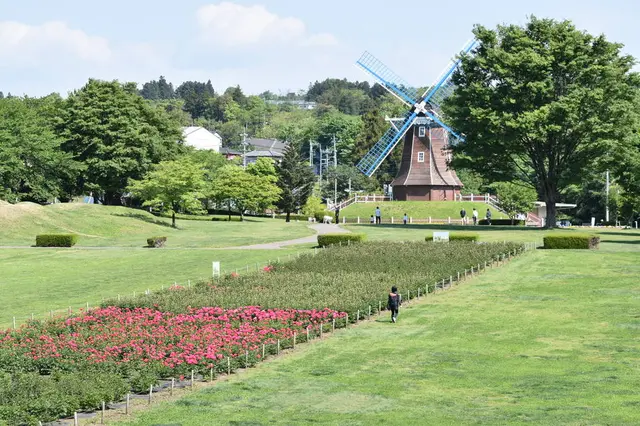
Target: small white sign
440, 236
216, 269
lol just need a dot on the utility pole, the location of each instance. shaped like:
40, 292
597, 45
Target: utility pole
311, 153
244, 147
335, 171
607, 199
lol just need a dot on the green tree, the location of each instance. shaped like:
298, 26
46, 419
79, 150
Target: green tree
473, 182
116, 134
172, 186
32, 165
295, 179
540, 104
242, 191
348, 177
515, 199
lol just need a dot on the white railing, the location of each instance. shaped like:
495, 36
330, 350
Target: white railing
373, 198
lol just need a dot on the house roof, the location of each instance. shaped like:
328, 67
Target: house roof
201, 138
186, 131
264, 154
559, 206
229, 151
267, 144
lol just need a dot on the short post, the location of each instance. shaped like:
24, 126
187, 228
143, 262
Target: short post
358, 316
429, 219
75, 418
320, 327
246, 359
344, 220
51, 312
411, 219
189, 283
14, 323
173, 385
295, 336
346, 322
458, 276
392, 220
228, 366
192, 379
150, 393
278, 350
333, 325
443, 287
126, 406
70, 311
379, 307
102, 413
369, 311
359, 221
418, 293
307, 333
408, 295
449, 220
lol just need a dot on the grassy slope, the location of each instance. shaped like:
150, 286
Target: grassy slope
36, 281
417, 209
543, 340
123, 227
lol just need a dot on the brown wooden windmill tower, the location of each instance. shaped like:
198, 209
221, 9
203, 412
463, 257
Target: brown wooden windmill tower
424, 174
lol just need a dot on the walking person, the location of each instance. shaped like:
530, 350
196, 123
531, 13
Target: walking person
475, 216
337, 215
405, 219
378, 216
488, 217
463, 216
394, 302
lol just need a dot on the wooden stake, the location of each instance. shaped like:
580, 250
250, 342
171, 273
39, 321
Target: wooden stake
192, 380
211, 374
173, 384
369, 311
333, 324
379, 307
246, 359
295, 335
228, 366
102, 413
358, 317
150, 393
126, 407
263, 351
278, 350
321, 330
75, 418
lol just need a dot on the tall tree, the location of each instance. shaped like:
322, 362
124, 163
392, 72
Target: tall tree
515, 199
540, 103
32, 165
295, 179
116, 134
172, 186
242, 190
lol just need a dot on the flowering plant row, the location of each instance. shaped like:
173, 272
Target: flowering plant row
167, 342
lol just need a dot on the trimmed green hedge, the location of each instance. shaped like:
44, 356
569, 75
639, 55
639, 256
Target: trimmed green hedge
56, 240
156, 242
502, 222
458, 236
571, 241
320, 214
333, 239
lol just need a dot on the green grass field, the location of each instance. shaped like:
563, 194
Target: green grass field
550, 338
417, 210
109, 259
106, 226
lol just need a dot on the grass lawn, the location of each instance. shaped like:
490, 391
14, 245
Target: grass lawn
105, 226
551, 338
39, 280
417, 210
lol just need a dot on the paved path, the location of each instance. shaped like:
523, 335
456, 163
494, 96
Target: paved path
318, 227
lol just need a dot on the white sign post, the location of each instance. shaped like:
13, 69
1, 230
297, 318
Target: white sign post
216, 269
440, 237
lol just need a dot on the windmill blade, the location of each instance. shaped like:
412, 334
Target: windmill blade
435, 118
376, 155
444, 87
388, 79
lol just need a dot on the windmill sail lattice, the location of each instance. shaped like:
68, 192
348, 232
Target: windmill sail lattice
428, 105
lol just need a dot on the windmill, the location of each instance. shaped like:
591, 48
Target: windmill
424, 172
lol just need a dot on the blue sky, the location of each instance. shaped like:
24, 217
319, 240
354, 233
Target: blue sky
276, 45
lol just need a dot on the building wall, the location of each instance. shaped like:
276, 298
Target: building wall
203, 139
425, 193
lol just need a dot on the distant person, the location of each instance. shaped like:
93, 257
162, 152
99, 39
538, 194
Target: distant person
463, 216
378, 216
373, 220
394, 302
337, 215
488, 217
405, 219
475, 216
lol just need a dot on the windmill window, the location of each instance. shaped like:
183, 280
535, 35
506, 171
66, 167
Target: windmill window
421, 157
422, 131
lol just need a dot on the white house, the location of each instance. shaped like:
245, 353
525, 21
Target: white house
540, 210
201, 138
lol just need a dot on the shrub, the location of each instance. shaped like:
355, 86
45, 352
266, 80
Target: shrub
502, 222
56, 240
334, 239
571, 241
459, 236
156, 242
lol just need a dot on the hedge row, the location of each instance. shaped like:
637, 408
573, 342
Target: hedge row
336, 239
502, 222
458, 236
56, 240
571, 241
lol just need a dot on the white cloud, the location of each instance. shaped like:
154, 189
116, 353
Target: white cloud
27, 45
229, 25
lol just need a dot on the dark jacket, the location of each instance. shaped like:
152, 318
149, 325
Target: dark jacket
394, 302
